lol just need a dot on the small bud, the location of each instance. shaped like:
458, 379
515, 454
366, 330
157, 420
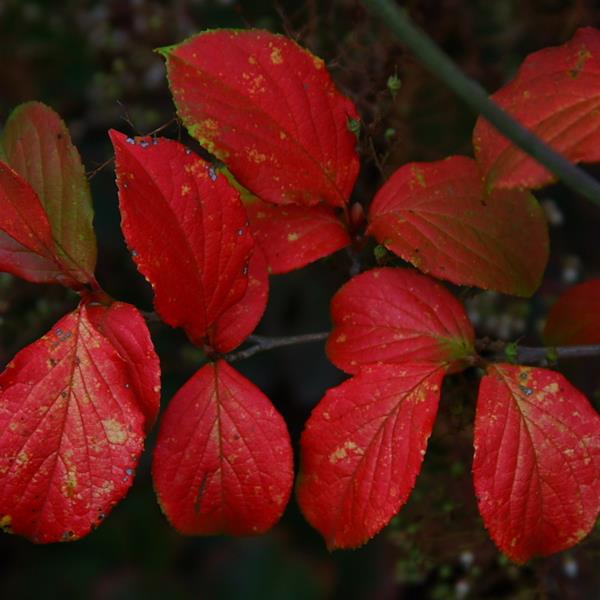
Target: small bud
512, 352
389, 134
381, 254
354, 126
552, 355
394, 83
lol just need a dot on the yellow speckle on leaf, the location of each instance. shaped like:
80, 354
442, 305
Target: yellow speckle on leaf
342, 452
209, 125
5, 523
292, 237
276, 57
419, 176
252, 60
185, 189
257, 85
256, 156
115, 432
70, 485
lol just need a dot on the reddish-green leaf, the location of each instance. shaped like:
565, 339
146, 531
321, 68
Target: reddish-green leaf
71, 432
26, 245
363, 447
223, 459
575, 318
186, 228
556, 94
397, 316
439, 217
125, 328
537, 461
294, 236
237, 322
38, 146
268, 109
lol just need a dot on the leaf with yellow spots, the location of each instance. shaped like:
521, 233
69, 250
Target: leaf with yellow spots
71, 428
187, 230
398, 316
293, 236
555, 94
363, 447
439, 217
536, 468
268, 109
223, 459
125, 328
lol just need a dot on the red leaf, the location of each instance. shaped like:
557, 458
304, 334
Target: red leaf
71, 432
187, 230
125, 328
556, 94
38, 146
575, 318
19, 260
294, 236
537, 461
240, 320
397, 316
26, 245
363, 447
223, 460
269, 110
438, 217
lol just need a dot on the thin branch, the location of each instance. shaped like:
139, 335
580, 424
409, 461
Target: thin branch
492, 350
473, 94
151, 316
262, 343
502, 351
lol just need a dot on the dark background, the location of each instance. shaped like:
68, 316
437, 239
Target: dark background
93, 63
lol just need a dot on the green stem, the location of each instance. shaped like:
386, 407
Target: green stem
398, 20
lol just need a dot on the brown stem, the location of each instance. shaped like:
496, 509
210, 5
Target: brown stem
262, 343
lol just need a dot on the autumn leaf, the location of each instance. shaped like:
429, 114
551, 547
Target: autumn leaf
293, 236
237, 322
223, 459
555, 94
537, 461
125, 328
269, 110
575, 317
27, 248
439, 217
363, 447
187, 231
397, 316
71, 432
37, 145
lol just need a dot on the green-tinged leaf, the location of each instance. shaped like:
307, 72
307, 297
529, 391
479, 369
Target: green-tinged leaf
38, 146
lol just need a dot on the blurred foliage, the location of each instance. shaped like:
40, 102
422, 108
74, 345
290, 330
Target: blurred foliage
93, 62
